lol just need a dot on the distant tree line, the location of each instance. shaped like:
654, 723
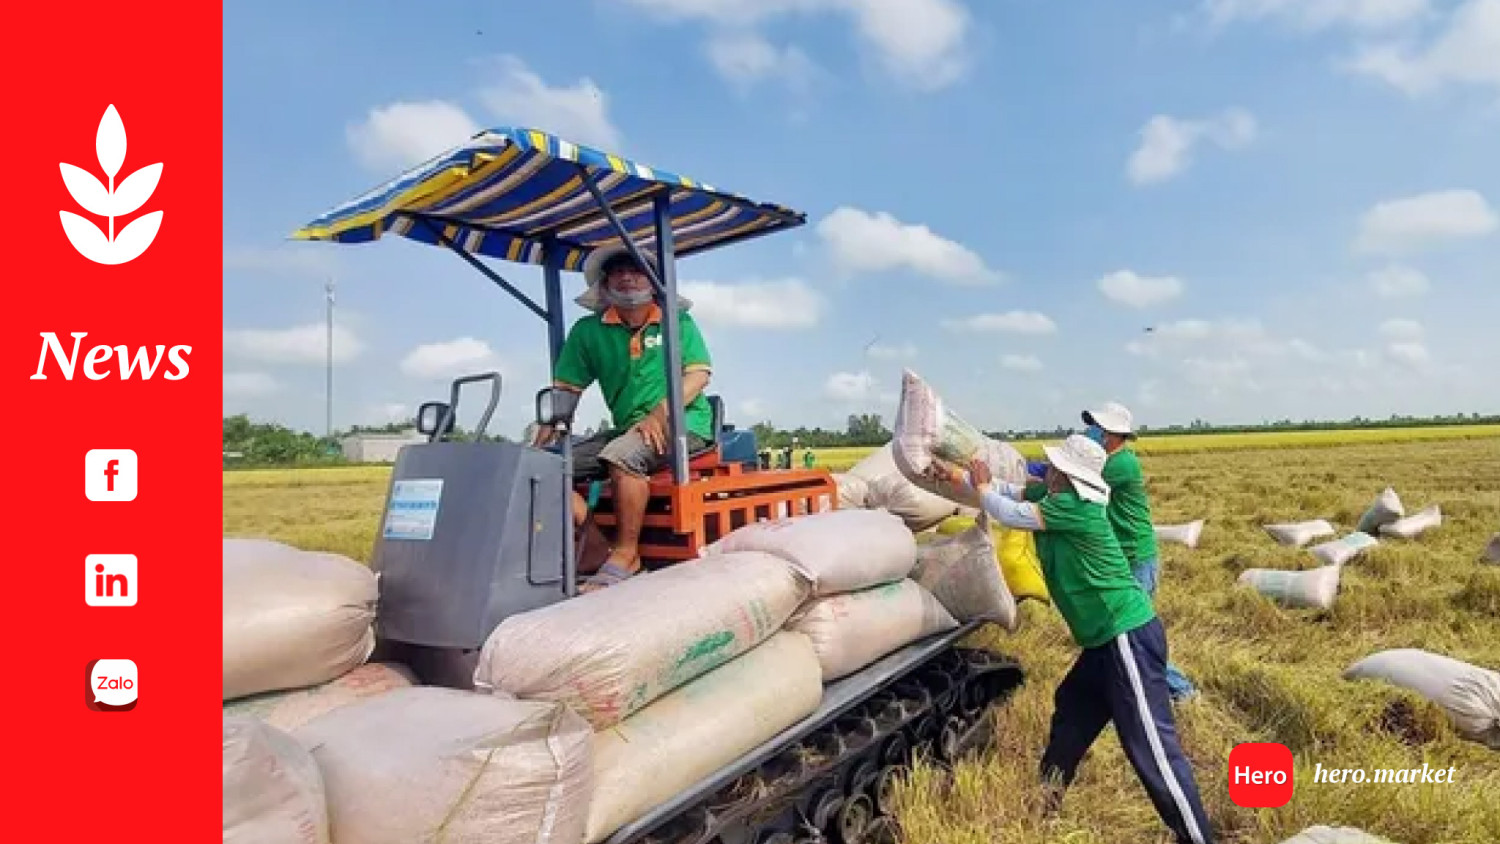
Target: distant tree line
248, 443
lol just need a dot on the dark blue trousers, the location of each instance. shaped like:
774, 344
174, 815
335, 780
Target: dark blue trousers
1125, 681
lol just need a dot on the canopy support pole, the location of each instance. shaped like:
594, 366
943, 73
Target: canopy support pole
488, 273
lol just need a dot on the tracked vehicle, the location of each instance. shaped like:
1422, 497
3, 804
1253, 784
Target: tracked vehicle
476, 531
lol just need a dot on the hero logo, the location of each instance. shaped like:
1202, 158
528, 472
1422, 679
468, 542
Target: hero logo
110, 202
142, 360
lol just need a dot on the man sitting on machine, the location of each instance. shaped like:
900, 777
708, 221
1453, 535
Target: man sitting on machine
620, 346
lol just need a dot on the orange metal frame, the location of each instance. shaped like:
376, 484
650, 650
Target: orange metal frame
718, 498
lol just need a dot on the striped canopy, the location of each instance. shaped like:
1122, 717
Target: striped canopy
508, 190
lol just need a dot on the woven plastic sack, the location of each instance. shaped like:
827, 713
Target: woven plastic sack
1492, 551
852, 490
1414, 525
1187, 534
1312, 589
696, 730
609, 653
852, 630
926, 429
960, 572
433, 764
839, 551
1469, 694
1016, 554
273, 790
291, 709
1321, 834
292, 618
886, 488
1346, 548
1300, 533
1385, 509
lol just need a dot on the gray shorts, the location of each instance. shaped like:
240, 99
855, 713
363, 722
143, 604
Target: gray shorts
629, 451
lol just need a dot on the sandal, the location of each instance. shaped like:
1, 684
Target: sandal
608, 575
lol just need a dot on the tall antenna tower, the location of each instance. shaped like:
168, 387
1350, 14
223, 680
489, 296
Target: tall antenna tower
328, 287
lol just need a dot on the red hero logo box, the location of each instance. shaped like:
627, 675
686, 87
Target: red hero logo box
1260, 775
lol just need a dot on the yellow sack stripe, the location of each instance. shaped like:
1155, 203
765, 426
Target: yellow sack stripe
1015, 552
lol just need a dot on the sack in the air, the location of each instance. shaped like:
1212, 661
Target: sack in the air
273, 790
609, 653
291, 709
655, 754
1469, 694
1321, 834
1342, 550
429, 764
1019, 564
839, 551
1386, 508
960, 571
1414, 525
1492, 551
927, 430
1300, 533
886, 488
852, 490
1315, 588
852, 630
1181, 534
292, 618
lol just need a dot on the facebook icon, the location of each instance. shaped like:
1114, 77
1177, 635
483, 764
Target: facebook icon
109, 474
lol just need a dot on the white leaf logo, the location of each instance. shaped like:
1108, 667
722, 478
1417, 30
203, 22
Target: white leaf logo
111, 202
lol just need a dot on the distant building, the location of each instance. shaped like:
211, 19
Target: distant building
378, 448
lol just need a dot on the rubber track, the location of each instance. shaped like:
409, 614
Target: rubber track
829, 787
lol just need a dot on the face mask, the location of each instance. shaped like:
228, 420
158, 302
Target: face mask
628, 299
1095, 433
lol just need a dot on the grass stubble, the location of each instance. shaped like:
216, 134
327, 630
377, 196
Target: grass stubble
1265, 673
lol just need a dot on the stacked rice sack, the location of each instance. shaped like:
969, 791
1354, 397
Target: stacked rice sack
877, 483
321, 746
676, 673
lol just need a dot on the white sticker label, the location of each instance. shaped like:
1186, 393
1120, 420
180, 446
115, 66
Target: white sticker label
413, 511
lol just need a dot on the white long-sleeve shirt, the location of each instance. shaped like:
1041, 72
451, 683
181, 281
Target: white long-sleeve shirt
1005, 503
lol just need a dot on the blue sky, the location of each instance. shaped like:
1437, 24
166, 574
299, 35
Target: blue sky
1299, 196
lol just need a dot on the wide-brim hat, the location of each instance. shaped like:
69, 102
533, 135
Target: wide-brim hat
1112, 417
1082, 460
593, 274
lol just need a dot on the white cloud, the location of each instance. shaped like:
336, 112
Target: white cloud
902, 351
1021, 363
249, 384
404, 134
1409, 352
1137, 291
1010, 322
746, 58
850, 386
1396, 281
578, 112
1401, 329
1465, 52
302, 344
922, 43
1312, 15
1167, 143
753, 408
313, 260
463, 356
861, 242
1413, 223
785, 303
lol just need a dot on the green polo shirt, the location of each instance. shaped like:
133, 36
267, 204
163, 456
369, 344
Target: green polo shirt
629, 367
1129, 509
1086, 572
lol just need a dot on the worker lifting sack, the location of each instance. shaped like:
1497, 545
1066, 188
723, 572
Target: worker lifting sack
927, 430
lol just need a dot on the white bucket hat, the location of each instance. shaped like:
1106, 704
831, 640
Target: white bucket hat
1112, 417
593, 274
1082, 460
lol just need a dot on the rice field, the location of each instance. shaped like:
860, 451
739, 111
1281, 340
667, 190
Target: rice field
1265, 673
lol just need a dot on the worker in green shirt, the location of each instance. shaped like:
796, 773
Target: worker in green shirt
1112, 426
1120, 675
